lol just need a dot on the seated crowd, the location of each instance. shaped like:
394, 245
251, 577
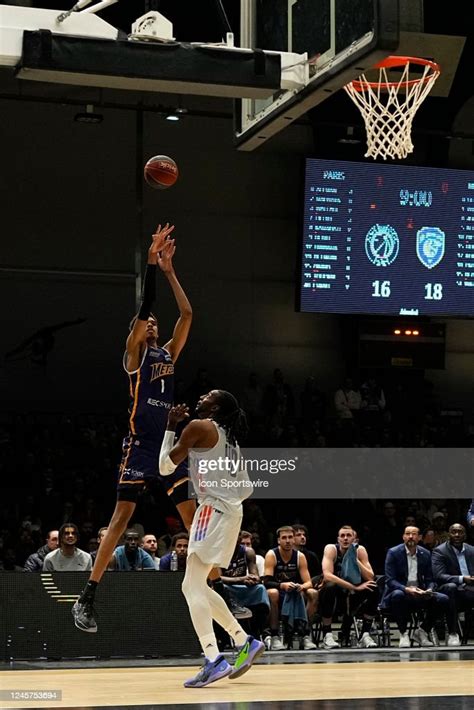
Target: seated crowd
290, 598
61, 459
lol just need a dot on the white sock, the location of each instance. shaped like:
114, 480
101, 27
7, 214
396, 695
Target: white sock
209, 646
236, 632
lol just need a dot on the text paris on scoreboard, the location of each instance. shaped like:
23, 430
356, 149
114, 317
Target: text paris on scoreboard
387, 239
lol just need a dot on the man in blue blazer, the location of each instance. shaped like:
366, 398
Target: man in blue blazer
409, 587
453, 572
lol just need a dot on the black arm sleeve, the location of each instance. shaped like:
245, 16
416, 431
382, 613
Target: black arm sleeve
148, 292
270, 582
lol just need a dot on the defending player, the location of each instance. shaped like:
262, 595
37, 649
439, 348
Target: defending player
151, 372
216, 523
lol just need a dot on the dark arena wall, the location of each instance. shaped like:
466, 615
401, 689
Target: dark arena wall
138, 615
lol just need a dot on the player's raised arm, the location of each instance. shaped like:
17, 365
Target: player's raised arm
138, 334
183, 324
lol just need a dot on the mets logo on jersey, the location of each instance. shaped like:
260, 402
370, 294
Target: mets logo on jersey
161, 369
430, 243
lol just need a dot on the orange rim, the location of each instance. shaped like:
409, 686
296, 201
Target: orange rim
390, 63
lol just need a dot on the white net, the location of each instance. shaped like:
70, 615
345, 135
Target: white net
388, 108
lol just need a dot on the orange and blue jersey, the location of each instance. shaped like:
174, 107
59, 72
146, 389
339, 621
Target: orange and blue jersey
151, 392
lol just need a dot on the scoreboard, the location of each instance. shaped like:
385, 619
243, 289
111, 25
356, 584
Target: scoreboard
387, 240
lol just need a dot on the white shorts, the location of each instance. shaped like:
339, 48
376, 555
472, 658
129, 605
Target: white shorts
214, 533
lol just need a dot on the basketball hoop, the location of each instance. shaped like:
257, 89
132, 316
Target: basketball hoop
388, 107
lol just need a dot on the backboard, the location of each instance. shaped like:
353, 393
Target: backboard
342, 38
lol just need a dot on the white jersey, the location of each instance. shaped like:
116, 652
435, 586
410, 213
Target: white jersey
218, 473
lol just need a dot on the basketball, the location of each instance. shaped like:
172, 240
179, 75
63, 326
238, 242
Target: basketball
161, 172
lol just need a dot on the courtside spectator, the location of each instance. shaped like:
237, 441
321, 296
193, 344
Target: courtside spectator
100, 536
348, 577
409, 587
300, 540
179, 544
129, 557
287, 575
67, 558
149, 544
34, 563
453, 572
246, 539
242, 581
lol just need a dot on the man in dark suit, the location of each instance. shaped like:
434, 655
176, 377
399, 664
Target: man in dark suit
409, 587
453, 572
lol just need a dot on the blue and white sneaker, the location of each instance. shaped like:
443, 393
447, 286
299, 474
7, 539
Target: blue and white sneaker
209, 673
248, 653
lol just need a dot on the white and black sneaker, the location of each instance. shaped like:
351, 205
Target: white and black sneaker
454, 640
366, 641
421, 637
83, 613
277, 644
307, 644
329, 641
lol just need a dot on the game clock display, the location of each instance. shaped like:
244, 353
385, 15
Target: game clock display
387, 239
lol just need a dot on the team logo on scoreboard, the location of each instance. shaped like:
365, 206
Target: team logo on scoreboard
382, 245
430, 242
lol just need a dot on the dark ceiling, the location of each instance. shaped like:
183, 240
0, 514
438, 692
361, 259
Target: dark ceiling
202, 21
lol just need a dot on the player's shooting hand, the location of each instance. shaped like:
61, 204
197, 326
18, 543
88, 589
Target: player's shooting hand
159, 238
164, 258
178, 413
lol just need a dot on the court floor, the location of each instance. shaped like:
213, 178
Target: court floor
384, 680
